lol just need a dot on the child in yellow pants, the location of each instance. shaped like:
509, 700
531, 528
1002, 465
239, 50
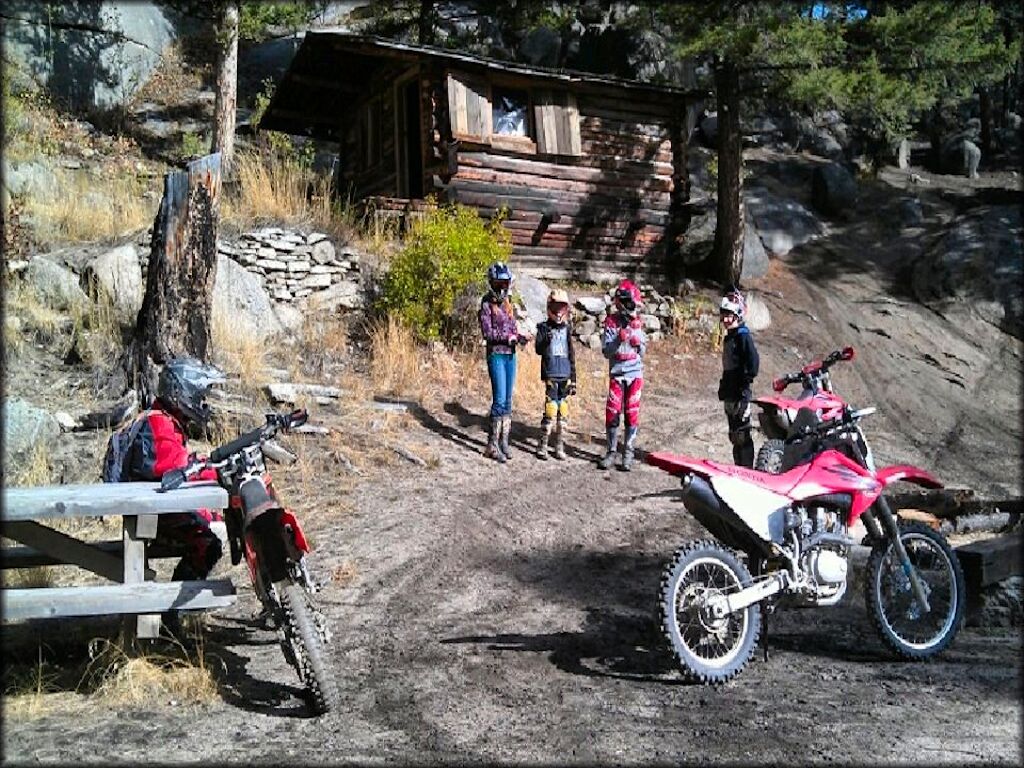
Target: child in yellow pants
558, 371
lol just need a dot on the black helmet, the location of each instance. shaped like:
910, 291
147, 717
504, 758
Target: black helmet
183, 386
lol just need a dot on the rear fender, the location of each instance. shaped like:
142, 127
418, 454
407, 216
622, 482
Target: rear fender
675, 464
289, 519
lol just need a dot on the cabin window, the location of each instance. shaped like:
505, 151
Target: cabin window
517, 119
509, 109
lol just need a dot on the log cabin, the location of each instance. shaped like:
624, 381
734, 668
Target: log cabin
590, 170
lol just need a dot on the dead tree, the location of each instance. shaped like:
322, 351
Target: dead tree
227, 85
175, 316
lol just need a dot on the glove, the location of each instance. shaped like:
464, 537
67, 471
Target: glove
635, 340
623, 334
513, 339
571, 389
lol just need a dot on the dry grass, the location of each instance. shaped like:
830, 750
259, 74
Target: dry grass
28, 578
34, 317
117, 676
27, 687
323, 343
90, 207
239, 354
396, 360
278, 190
36, 469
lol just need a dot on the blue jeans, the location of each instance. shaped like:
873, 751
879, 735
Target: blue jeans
501, 368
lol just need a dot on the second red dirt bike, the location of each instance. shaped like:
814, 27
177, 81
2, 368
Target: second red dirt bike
782, 418
268, 535
784, 538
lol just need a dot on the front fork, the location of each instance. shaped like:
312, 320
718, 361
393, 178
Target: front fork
888, 519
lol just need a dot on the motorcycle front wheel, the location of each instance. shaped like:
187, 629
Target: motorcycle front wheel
890, 600
306, 642
711, 649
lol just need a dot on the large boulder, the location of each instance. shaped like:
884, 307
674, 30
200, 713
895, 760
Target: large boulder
757, 316
541, 47
25, 427
534, 294
833, 190
782, 223
55, 285
33, 179
755, 258
240, 301
978, 265
346, 294
118, 274
92, 55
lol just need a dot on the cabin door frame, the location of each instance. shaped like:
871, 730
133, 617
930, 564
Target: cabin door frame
409, 135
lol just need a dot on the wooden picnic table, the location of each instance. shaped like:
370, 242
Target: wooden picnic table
134, 592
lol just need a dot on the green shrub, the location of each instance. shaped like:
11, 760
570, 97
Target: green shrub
444, 252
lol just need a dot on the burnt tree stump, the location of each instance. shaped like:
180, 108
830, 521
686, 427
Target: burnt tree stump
175, 316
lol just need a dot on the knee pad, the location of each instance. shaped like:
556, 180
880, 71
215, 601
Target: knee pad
550, 409
563, 410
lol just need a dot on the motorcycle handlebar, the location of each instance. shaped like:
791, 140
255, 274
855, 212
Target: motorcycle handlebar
275, 422
846, 353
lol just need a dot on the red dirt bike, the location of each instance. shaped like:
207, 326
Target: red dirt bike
792, 530
269, 536
781, 418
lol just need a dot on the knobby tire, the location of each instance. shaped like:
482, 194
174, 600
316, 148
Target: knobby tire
315, 672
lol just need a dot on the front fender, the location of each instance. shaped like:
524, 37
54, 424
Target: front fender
906, 473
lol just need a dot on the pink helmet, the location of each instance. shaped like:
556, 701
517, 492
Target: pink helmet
628, 298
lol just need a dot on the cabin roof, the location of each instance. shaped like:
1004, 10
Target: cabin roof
331, 69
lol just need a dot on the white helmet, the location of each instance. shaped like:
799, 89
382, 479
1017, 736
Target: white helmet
733, 302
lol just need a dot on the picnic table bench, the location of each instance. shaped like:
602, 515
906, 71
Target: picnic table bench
134, 593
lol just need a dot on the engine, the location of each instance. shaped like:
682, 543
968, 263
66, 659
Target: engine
819, 539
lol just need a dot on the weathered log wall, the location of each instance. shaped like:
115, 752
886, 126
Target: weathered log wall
608, 212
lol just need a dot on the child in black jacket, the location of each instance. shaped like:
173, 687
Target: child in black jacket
558, 371
739, 368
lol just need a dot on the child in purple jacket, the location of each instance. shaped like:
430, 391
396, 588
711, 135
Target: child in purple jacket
498, 325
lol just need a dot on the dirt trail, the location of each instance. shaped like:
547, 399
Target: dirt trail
508, 613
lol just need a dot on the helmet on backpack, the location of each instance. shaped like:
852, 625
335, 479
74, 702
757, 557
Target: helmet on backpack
628, 298
183, 386
499, 278
558, 306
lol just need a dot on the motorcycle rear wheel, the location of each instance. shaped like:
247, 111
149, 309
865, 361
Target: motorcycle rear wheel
711, 650
769, 457
305, 639
890, 598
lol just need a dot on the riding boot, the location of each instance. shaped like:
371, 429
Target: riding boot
743, 454
506, 429
542, 447
560, 439
493, 450
627, 448
609, 456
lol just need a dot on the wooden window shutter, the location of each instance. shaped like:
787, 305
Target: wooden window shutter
469, 108
558, 122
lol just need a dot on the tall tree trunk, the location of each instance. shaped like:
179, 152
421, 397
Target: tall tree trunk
227, 86
426, 22
728, 249
175, 316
